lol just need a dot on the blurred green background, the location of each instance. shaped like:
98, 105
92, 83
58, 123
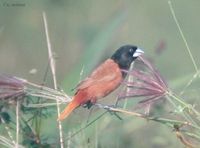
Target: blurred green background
85, 32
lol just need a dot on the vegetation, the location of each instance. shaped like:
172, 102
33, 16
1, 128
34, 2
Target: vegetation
157, 104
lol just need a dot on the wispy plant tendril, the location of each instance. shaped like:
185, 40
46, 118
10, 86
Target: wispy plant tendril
147, 83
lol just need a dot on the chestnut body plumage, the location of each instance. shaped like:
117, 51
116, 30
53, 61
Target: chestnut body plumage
104, 79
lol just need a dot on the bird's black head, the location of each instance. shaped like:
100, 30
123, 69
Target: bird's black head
125, 55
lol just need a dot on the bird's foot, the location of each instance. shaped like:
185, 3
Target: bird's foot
113, 112
109, 109
88, 104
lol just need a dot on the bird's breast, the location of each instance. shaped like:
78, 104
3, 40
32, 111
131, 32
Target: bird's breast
104, 87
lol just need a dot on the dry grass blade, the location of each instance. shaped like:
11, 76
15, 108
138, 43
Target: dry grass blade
11, 87
8, 143
52, 65
8, 132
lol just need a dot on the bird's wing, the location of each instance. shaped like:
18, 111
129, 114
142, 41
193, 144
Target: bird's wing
106, 72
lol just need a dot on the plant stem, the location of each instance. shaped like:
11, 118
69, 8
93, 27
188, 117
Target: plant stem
52, 65
182, 35
185, 105
17, 124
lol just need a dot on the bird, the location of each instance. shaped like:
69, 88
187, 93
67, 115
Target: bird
104, 79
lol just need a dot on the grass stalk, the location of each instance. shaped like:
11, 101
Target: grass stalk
182, 35
53, 70
17, 124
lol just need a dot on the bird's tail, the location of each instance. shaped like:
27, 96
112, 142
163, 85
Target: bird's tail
70, 107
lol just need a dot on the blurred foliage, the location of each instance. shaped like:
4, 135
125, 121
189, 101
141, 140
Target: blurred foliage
83, 33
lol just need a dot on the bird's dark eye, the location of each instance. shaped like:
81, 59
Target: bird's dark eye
131, 50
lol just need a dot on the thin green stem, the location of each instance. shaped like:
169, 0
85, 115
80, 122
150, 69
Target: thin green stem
175, 106
184, 104
130, 79
189, 118
87, 125
182, 35
190, 82
186, 115
192, 135
177, 99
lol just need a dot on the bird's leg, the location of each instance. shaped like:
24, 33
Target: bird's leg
88, 104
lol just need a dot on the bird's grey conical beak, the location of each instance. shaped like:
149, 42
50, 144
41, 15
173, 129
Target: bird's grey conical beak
138, 52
